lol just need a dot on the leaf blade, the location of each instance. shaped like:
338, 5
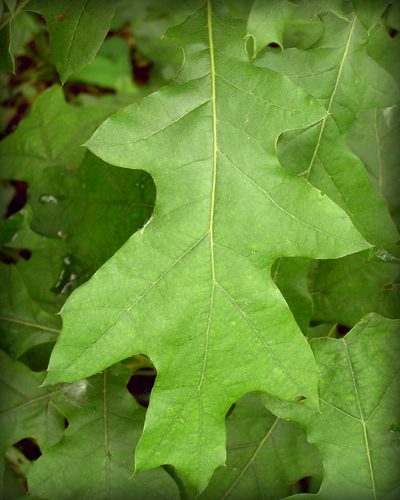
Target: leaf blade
175, 279
355, 433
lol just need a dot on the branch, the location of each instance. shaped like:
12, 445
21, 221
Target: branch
21, 4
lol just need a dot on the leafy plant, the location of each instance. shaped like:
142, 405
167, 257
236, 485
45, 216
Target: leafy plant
229, 231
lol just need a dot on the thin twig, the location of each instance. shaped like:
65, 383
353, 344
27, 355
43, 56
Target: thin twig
11, 16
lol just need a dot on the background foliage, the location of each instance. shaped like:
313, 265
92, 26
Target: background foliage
68, 213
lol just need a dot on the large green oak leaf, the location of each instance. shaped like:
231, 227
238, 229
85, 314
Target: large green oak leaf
193, 289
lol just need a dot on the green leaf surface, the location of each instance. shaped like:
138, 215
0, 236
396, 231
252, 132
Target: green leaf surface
369, 11
77, 29
339, 73
10, 4
92, 206
303, 28
357, 431
149, 21
290, 275
346, 289
94, 459
95, 208
6, 58
111, 68
26, 410
49, 136
265, 456
384, 48
393, 18
45, 269
374, 137
23, 323
332, 167
333, 6
267, 21
193, 290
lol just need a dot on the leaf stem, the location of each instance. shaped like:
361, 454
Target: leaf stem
334, 326
331, 99
378, 147
27, 323
11, 16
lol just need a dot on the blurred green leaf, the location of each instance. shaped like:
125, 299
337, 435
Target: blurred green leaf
369, 11
111, 68
6, 58
303, 28
49, 136
77, 29
26, 410
23, 323
10, 4
93, 207
346, 289
95, 457
334, 6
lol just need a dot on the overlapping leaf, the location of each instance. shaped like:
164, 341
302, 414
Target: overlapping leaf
267, 21
339, 298
290, 275
374, 137
94, 458
77, 30
357, 432
23, 323
49, 136
339, 73
92, 206
192, 290
26, 411
369, 11
265, 456
6, 58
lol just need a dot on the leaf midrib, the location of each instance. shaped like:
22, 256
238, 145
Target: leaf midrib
253, 457
106, 434
332, 98
27, 324
361, 418
212, 204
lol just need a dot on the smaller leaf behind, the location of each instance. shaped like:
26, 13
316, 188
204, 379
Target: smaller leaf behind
369, 11
23, 323
77, 30
267, 21
344, 290
374, 137
265, 456
105, 424
6, 58
26, 410
357, 432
